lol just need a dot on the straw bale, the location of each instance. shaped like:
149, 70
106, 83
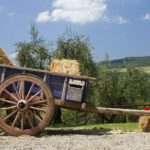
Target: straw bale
65, 66
144, 123
4, 58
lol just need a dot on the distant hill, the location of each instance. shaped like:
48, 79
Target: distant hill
137, 61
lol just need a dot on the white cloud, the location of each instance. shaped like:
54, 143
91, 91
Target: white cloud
117, 20
121, 20
75, 11
43, 17
13, 55
147, 16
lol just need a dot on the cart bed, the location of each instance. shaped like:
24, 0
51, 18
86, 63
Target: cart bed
76, 85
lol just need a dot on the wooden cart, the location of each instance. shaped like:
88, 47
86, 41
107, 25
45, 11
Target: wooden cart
28, 98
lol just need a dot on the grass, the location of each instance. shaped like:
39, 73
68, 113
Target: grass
112, 126
146, 69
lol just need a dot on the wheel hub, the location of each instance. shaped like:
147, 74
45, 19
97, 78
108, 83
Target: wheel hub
22, 105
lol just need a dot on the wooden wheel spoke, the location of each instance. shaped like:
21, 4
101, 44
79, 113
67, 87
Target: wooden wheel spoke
19, 83
10, 115
39, 115
15, 120
21, 89
29, 120
7, 101
11, 95
42, 95
39, 102
16, 91
34, 96
29, 92
7, 108
22, 121
39, 119
38, 109
35, 116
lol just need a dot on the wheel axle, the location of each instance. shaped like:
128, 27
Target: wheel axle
22, 105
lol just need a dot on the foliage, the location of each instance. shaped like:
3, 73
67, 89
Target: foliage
127, 88
133, 86
33, 54
68, 116
71, 45
115, 89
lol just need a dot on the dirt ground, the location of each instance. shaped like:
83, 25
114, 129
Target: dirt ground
78, 140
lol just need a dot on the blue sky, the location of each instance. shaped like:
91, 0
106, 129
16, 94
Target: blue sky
120, 28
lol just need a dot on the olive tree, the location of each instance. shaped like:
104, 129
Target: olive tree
35, 53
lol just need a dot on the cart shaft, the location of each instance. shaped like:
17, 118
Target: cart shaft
100, 110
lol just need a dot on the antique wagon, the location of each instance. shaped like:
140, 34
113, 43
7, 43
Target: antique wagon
28, 98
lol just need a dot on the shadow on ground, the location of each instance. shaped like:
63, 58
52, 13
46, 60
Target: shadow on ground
64, 132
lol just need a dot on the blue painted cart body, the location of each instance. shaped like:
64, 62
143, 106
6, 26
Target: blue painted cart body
56, 82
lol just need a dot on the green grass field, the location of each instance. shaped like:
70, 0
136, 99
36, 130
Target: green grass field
111, 126
146, 69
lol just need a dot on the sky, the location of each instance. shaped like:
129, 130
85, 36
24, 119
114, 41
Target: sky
119, 28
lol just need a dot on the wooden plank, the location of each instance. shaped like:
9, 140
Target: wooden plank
85, 92
3, 74
45, 77
64, 91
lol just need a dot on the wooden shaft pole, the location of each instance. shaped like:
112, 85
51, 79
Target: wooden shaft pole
118, 111
101, 110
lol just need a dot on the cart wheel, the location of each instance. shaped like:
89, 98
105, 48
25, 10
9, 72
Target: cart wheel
26, 105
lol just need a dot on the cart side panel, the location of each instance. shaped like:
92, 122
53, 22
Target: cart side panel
11, 71
55, 82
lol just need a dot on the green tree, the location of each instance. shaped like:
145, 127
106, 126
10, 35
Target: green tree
35, 53
133, 85
71, 45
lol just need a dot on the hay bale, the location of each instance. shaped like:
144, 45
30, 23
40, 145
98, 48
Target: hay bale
144, 123
65, 66
4, 58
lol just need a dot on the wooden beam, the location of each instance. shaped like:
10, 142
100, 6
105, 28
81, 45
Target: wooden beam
101, 110
119, 111
64, 91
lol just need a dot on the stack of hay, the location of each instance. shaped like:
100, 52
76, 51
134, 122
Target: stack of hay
65, 66
144, 123
4, 58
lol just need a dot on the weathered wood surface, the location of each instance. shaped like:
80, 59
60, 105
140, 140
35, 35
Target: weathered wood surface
119, 111
101, 110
